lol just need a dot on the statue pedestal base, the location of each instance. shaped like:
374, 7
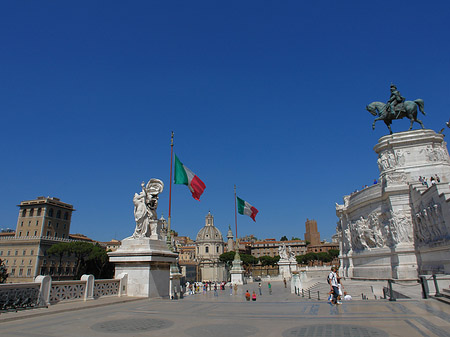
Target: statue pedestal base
237, 272
296, 284
286, 268
147, 264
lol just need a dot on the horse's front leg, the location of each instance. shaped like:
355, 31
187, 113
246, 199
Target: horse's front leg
376, 119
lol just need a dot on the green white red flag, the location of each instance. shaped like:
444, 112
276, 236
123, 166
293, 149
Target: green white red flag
245, 208
185, 176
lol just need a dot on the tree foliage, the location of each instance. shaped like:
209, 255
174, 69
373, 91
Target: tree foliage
321, 256
247, 260
90, 258
269, 260
284, 238
3, 272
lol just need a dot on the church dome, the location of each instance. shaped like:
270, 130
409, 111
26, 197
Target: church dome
209, 233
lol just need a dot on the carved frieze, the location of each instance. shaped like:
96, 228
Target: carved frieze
429, 225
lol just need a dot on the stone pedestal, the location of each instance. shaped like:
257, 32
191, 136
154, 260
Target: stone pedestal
237, 272
147, 264
385, 227
296, 284
286, 268
175, 285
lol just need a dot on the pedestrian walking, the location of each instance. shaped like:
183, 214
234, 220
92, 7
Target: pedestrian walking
285, 284
235, 288
231, 289
270, 288
260, 290
253, 296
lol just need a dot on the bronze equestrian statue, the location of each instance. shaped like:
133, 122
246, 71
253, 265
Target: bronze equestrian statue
396, 108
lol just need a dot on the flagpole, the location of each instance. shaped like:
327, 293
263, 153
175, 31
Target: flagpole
235, 218
170, 187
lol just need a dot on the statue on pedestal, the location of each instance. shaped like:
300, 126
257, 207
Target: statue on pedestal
282, 252
145, 204
396, 108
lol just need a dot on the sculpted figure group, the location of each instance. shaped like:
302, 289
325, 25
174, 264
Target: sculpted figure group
145, 204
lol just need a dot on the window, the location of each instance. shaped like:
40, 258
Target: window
64, 226
13, 271
35, 233
29, 272
66, 216
21, 224
48, 233
56, 235
20, 233
50, 212
217, 249
31, 262
64, 235
24, 252
29, 223
206, 249
31, 212
24, 212
22, 262
14, 262
28, 233
1, 252
16, 253
49, 224
58, 214
39, 211
20, 271
37, 222
32, 252
9, 253
57, 224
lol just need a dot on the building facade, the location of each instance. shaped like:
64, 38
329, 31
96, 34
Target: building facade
209, 246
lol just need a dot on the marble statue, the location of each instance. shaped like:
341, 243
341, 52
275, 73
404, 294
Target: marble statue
396, 108
145, 204
282, 252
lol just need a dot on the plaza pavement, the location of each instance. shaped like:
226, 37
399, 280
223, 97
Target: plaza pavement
280, 314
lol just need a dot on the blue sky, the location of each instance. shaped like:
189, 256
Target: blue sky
267, 95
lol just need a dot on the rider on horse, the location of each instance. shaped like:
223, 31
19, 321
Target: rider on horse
395, 102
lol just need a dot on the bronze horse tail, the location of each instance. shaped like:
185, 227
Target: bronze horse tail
420, 104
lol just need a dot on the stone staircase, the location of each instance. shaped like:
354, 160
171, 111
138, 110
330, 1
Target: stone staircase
357, 290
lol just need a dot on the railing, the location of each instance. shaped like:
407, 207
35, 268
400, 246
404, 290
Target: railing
18, 296
425, 285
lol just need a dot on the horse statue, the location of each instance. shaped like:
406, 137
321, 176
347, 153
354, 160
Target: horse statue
410, 110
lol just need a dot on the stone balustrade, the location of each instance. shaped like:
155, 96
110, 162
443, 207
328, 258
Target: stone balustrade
44, 291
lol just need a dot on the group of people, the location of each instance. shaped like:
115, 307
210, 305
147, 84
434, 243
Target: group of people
433, 180
336, 288
197, 287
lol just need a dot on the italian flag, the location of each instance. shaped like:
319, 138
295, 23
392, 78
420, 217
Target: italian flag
184, 176
245, 208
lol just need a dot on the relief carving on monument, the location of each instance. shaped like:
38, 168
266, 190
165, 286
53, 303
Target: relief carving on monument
396, 178
436, 153
388, 160
429, 225
401, 227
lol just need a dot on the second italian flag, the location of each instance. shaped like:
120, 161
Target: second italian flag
246, 209
185, 176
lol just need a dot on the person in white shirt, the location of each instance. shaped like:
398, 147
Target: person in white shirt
332, 278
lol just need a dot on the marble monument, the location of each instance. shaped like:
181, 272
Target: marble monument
399, 227
144, 256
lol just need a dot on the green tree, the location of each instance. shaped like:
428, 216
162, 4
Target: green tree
227, 258
3, 272
60, 249
269, 260
304, 259
333, 253
97, 263
284, 238
295, 238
